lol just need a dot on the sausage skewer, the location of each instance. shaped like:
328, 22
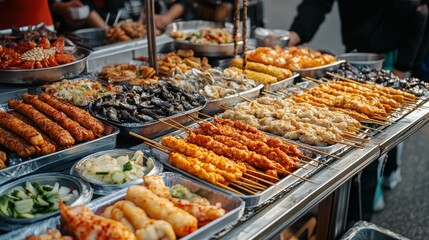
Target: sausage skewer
75, 113
16, 144
78, 132
51, 128
20, 128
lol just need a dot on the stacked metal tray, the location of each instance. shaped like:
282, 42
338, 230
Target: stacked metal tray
234, 209
281, 84
318, 71
251, 200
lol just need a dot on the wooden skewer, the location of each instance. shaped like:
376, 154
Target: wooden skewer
349, 144
260, 179
305, 162
312, 159
300, 177
313, 79
376, 122
205, 115
364, 133
253, 182
250, 185
371, 128
230, 189
246, 99
180, 125
243, 188
354, 137
310, 148
261, 173
274, 93
224, 107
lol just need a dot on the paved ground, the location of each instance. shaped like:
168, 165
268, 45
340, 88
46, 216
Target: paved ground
407, 206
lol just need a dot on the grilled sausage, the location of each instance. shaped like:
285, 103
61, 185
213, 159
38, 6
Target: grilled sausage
77, 131
20, 128
16, 144
75, 113
51, 128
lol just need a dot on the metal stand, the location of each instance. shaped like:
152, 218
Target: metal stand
151, 38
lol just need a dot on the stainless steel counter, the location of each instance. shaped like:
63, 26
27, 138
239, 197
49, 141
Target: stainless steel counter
269, 222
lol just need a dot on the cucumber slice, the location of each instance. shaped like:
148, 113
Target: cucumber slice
63, 191
53, 198
39, 188
12, 197
48, 188
55, 189
30, 189
4, 205
54, 207
42, 202
118, 177
24, 206
22, 195
67, 198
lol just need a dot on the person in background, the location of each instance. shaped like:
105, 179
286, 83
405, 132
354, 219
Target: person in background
65, 21
396, 28
20, 13
166, 11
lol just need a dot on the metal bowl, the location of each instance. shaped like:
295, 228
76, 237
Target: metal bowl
106, 189
320, 70
84, 189
207, 50
91, 37
271, 37
373, 60
50, 74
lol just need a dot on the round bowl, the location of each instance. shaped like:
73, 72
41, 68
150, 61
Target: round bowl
271, 37
106, 189
84, 189
373, 60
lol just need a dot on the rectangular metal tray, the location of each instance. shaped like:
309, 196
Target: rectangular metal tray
281, 84
251, 200
234, 209
107, 141
213, 106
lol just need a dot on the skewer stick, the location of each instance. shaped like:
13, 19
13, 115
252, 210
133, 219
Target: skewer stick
224, 107
371, 128
364, 133
174, 126
243, 188
261, 173
300, 177
354, 137
349, 144
245, 99
230, 189
260, 179
250, 185
310, 148
253, 182
274, 93
313, 79
305, 162
180, 125
205, 115
312, 159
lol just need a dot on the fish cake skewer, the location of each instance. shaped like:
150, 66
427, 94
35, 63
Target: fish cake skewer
16, 144
75, 113
77, 131
50, 127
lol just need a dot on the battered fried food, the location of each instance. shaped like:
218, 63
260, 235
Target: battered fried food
279, 73
256, 76
3, 159
75, 113
20, 128
78, 132
16, 144
51, 128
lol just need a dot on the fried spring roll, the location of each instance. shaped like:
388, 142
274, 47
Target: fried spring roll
16, 144
279, 73
77, 131
256, 76
159, 208
75, 113
20, 128
50, 127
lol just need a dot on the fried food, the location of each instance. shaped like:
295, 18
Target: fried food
51, 128
75, 113
125, 72
78, 132
125, 31
80, 221
159, 208
181, 62
211, 36
279, 73
3, 158
256, 76
54, 234
20, 128
136, 219
16, 144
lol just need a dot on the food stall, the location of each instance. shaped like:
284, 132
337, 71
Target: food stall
162, 113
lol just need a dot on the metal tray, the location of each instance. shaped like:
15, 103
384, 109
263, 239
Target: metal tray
281, 84
233, 205
370, 231
23, 167
251, 200
207, 50
151, 129
213, 106
318, 71
85, 195
50, 74
107, 189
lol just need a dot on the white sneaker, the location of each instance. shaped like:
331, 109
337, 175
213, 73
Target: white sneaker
379, 205
393, 180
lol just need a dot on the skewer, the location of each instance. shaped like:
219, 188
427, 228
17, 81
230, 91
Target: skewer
205, 115
313, 79
259, 179
174, 126
274, 93
243, 188
364, 133
349, 144
310, 148
300, 177
251, 185
253, 182
354, 137
246, 99
305, 162
228, 188
312, 159
261, 173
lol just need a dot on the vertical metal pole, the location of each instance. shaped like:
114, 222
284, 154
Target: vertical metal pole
151, 38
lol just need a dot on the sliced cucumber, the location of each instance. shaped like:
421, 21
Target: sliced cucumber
4, 205
30, 189
39, 188
22, 195
47, 188
42, 202
67, 198
53, 198
63, 191
24, 206
12, 197
118, 177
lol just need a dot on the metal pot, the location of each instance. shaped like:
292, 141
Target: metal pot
271, 37
373, 60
